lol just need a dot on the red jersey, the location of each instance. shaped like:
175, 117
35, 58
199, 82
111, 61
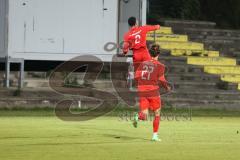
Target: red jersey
150, 75
136, 37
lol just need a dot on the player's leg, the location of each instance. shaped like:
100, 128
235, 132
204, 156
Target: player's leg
146, 56
137, 60
156, 123
144, 105
156, 107
143, 114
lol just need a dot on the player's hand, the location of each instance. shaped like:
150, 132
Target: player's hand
169, 88
121, 55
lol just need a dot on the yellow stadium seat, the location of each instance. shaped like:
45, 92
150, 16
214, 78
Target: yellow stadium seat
184, 52
231, 78
211, 53
212, 61
181, 45
163, 30
168, 38
222, 69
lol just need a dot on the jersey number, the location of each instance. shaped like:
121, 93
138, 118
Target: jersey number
137, 39
147, 71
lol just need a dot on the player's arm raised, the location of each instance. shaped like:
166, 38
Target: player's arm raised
150, 28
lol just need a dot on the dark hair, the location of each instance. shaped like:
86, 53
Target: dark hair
155, 50
132, 21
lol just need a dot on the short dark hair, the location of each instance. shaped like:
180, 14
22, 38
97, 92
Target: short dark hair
155, 50
132, 21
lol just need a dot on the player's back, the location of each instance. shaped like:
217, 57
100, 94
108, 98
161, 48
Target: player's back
136, 37
149, 73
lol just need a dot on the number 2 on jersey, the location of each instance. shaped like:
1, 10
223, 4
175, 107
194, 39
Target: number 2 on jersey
137, 39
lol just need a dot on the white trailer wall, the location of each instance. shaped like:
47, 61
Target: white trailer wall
3, 30
61, 29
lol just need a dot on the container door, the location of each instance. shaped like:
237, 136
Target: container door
83, 26
110, 22
18, 11
3, 13
44, 26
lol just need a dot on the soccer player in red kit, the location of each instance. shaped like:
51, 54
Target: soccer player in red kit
149, 76
135, 40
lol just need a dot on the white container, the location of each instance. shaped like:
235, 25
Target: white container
59, 30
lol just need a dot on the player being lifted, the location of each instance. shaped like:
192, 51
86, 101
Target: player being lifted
135, 40
149, 76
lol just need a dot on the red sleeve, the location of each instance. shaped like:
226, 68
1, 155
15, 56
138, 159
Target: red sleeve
126, 44
149, 28
163, 82
162, 78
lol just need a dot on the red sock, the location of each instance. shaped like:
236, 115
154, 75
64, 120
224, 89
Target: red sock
142, 116
156, 124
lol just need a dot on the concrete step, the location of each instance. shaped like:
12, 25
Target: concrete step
187, 80
184, 69
43, 83
172, 60
207, 95
190, 24
107, 84
36, 83
90, 103
36, 103
228, 42
104, 84
48, 93
225, 47
222, 45
222, 38
206, 31
237, 55
44, 97
195, 103
45, 93
191, 85
36, 75
178, 85
193, 77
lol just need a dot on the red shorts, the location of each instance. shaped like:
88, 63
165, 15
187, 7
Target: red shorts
151, 103
140, 56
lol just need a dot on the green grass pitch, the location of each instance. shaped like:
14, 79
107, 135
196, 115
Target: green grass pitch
107, 138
